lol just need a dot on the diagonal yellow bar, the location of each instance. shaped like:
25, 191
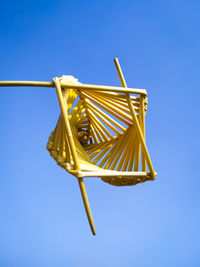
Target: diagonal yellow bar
138, 129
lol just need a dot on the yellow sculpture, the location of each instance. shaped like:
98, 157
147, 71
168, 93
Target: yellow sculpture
100, 133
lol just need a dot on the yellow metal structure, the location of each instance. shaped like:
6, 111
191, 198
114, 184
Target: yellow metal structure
100, 132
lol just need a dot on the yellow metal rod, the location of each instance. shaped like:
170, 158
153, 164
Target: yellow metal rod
106, 116
74, 154
86, 204
74, 86
101, 127
97, 129
113, 103
27, 83
115, 150
142, 123
93, 133
104, 106
106, 103
102, 153
122, 151
138, 129
132, 154
128, 149
66, 122
105, 121
111, 173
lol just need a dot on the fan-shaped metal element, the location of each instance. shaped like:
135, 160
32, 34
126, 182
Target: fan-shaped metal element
101, 133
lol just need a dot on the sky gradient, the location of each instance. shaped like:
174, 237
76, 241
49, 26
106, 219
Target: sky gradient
43, 222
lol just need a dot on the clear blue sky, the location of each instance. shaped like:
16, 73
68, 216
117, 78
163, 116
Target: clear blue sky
42, 219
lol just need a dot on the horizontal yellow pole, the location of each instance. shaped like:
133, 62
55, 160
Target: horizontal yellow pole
111, 173
74, 86
27, 83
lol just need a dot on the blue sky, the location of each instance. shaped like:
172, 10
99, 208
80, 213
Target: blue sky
43, 222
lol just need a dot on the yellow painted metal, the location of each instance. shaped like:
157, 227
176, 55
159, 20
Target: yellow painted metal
74, 86
122, 153
116, 150
106, 122
135, 120
67, 125
112, 119
86, 204
74, 154
142, 123
110, 110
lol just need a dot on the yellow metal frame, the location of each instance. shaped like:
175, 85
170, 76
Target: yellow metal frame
115, 119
